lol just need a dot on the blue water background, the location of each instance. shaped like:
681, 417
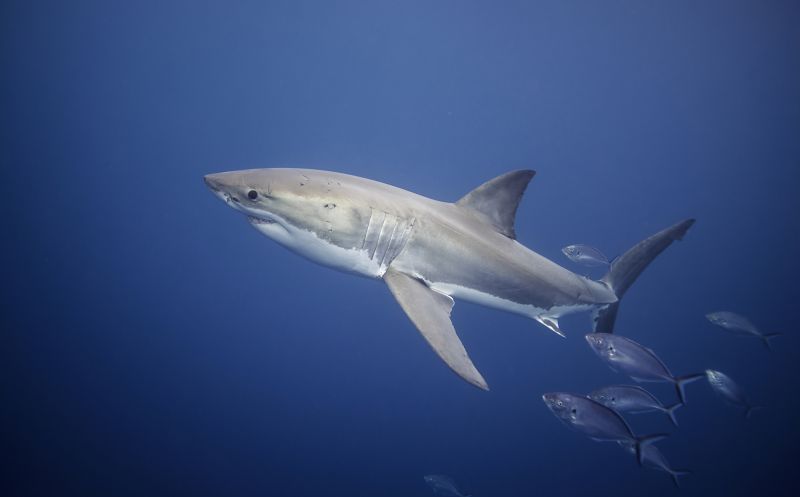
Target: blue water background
155, 345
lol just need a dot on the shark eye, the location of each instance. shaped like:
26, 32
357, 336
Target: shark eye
252, 194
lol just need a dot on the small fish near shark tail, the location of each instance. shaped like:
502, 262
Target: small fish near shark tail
627, 267
766, 339
670, 411
682, 381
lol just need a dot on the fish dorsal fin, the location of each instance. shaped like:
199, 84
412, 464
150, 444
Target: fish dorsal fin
496, 200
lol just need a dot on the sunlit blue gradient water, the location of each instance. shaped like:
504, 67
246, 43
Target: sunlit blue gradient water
154, 344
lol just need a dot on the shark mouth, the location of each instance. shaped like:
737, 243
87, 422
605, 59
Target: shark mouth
260, 220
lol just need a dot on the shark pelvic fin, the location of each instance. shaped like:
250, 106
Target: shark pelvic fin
496, 201
551, 323
430, 312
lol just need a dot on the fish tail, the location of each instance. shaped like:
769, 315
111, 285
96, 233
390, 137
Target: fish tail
749, 410
624, 270
681, 381
675, 473
766, 338
670, 411
645, 440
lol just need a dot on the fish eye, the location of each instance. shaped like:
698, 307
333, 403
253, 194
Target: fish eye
559, 403
252, 194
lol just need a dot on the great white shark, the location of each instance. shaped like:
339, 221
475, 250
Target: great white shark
429, 252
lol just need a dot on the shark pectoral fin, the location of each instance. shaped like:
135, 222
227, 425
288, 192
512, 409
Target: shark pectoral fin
430, 312
552, 324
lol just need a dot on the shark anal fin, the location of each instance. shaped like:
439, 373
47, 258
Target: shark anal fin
430, 312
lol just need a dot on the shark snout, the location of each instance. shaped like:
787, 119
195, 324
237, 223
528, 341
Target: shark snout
212, 182
222, 188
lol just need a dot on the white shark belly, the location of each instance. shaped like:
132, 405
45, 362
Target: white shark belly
384, 238
307, 244
488, 300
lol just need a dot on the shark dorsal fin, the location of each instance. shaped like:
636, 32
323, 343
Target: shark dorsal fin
496, 200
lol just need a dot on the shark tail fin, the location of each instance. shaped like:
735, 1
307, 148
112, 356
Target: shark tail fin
670, 411
766, 338
675, 473
645, 440
681, 381
626, 268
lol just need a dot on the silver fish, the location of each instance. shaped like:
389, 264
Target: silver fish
596, 420
443, 485
632, 399
729, 390
586, 255
739, 325
653, 458
638, 362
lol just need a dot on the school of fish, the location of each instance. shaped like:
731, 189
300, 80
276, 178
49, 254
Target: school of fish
598, 414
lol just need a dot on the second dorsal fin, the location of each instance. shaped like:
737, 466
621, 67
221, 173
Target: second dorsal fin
496, 200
